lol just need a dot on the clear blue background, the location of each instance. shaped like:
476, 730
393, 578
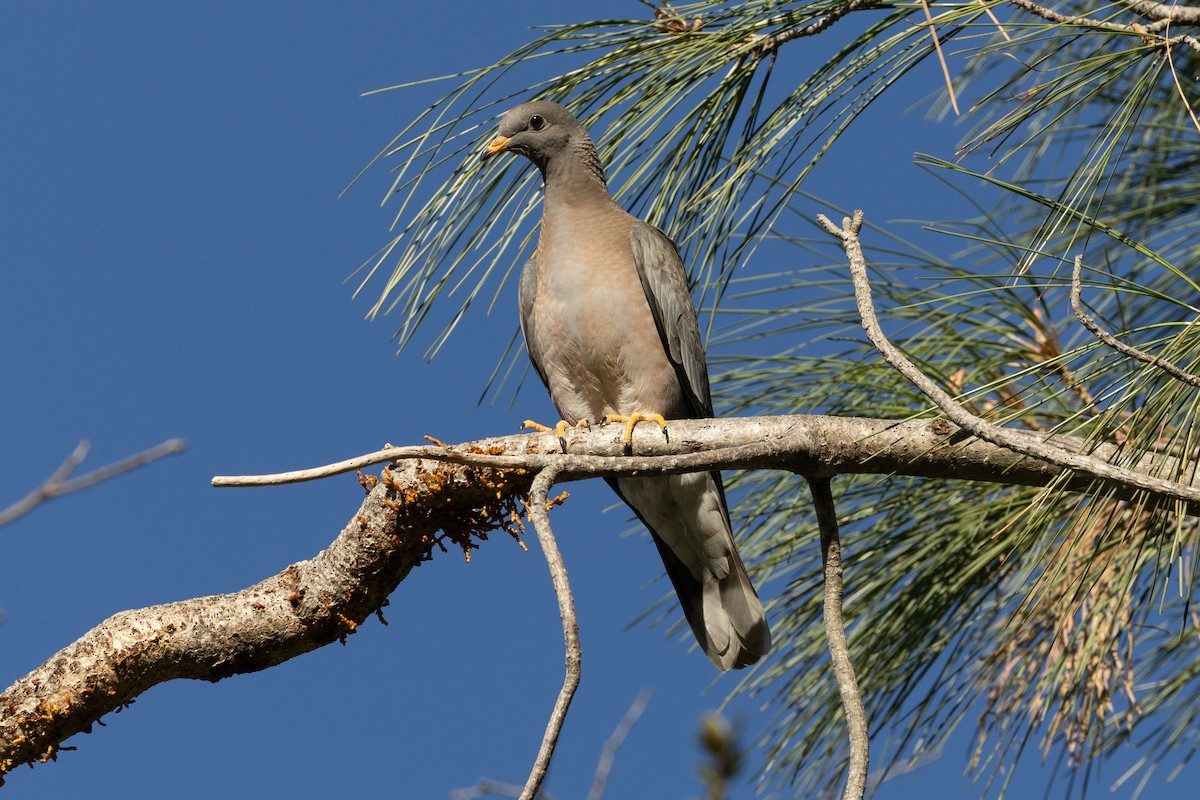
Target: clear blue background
172, 256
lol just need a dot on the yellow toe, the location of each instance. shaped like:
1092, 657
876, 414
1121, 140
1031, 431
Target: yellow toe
560, 428
634, 419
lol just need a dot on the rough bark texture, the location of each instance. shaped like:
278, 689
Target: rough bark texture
425, 504
309, 604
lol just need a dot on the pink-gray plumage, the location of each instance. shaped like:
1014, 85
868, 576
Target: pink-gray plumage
610, 326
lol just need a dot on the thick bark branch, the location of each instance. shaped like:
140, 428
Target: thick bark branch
425, 503
1164, 12
307, 605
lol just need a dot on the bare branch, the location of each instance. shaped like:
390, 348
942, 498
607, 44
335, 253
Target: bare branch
59, 482
539, 504
383, 456
805, 444
1164, 14
609, 754
427, 502
768, 44
409, 512
1147, 32
835, 634
1017, 441
1051, 15
1117, 344
484, 787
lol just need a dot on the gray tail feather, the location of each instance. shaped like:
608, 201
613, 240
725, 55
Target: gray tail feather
734, 609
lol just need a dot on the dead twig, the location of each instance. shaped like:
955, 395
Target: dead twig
60, 482
609, 754
1017, 441
835, 634
769, 44
485, 787
1115, 343
539, 503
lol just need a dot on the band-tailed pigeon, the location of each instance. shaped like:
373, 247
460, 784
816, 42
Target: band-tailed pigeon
611, 329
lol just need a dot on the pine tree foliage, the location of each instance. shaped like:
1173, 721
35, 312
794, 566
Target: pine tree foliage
1056, 623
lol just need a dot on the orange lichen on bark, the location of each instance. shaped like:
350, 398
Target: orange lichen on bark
431, 509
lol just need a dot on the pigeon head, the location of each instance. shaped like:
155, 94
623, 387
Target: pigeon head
546, 134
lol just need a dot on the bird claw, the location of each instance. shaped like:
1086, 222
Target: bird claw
634, 419
560, 429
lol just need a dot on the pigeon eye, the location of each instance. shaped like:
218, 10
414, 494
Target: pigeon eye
537, 122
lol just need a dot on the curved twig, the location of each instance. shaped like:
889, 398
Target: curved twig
537, 510
835, 634
473, 455
1017, 441
1114, 342
485, 787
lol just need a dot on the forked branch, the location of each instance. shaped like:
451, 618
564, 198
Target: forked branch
61, 483
1017, 441
448, 495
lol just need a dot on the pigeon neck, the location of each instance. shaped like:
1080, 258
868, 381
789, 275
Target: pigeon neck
576, 173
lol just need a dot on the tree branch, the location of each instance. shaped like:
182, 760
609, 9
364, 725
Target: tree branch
1115, 343
835, 634
60, 483
1164, 14
443, 496
805, 444
609, 754
485, 786
1016, 441
408, 513
1051, 15
771, 43
538, 507
1145, 31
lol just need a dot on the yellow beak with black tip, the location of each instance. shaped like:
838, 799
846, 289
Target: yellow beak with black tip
494, 146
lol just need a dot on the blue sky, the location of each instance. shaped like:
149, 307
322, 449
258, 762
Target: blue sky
174, 252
